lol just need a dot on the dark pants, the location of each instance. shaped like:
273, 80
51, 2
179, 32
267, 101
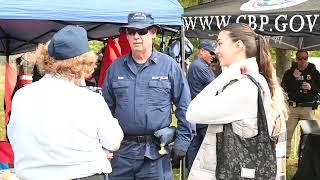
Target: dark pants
195, 145
94, 177
141, 169
309, 160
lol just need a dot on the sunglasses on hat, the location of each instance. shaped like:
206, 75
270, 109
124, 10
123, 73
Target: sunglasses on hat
141, 32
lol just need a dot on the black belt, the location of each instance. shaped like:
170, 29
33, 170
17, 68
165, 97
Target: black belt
94, 177
140, 139
304, 104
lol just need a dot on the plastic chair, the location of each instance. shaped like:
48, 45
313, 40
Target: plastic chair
307, 127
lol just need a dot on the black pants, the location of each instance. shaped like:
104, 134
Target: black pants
309, 160
95, 177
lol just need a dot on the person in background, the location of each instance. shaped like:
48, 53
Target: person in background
59, 130
200, 74
240, 51
140, 89
302, 84
36, 75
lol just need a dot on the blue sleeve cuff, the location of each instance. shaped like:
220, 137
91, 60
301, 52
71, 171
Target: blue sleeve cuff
181, 144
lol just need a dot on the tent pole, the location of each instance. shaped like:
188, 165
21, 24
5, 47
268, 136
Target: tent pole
183, 66
182, 47
300, 42
162, 43
7, 49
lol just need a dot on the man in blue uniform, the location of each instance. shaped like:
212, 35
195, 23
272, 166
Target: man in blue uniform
200, 74
302, 83
140, 89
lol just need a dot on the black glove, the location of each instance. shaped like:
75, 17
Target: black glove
178, 154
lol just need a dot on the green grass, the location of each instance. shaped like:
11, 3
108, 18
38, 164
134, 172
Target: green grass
291, 168
292, 162
176, 174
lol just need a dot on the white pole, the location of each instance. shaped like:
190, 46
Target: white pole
295, 141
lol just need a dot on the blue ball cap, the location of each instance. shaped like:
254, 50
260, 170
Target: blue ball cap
139, 20
208, 45
69, 42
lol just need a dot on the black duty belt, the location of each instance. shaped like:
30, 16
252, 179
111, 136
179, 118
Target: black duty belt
140, 139
304, 104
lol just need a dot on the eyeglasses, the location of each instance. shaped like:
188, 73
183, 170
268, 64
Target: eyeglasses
212, 53
141, 32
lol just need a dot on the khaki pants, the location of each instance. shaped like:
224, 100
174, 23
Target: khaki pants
296, 114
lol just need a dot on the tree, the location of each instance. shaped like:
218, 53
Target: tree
95, 46
188, 3
283, 61
314, 53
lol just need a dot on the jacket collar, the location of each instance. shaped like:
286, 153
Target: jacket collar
250, 64
154, 56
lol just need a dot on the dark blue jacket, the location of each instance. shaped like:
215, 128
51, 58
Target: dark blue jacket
142, 101
199, 76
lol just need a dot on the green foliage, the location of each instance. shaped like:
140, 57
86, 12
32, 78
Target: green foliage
314, 53
157, 42
273, 55
95, 46
188, 3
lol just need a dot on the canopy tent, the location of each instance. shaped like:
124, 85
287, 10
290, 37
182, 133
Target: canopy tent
291, 24
24, 24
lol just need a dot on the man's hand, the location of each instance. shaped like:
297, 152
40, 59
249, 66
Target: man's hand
296, 73
306, 86
109, 154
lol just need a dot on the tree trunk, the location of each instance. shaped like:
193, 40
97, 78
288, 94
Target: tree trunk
283, 62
